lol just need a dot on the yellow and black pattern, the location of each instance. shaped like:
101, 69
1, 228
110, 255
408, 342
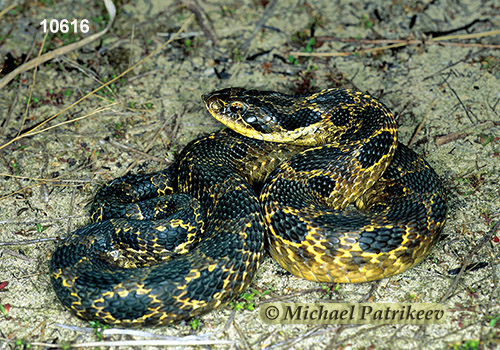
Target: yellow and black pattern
354, 158
167, 246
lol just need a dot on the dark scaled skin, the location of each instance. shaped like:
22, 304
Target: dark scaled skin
294, 164
132, 266
354, 158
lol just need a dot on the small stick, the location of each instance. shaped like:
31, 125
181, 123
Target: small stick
30, 241
422, 123
62, 50
468, 259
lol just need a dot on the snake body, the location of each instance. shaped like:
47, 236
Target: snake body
288, 170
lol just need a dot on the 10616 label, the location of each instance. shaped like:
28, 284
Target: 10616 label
64, 25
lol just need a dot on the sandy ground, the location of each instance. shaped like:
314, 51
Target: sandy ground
451, 87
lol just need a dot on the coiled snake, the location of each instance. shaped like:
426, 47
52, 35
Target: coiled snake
309, 157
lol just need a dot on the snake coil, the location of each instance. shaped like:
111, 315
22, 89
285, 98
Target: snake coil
167, 246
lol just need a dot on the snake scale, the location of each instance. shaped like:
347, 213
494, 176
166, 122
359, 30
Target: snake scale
321, 178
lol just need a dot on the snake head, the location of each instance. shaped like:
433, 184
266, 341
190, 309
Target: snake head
240, 110
264, 115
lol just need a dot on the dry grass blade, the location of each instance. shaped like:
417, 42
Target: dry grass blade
62, 50
7, 9
137, 343
399, 43
154, 52
422, 123
487, 238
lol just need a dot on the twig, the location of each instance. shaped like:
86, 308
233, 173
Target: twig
244, 340
154, 52
30, 92
159, 342
373, 288
258, 26
150, 145
399, 43
422, 123
462, 104
31, 241
21, 188
195, 8
31, 132
467, 36
42, 179
62, 50
466, 58
358, 335
7, 9
245, 47
14, 102
441, 140
41, 221
449, 31
71, 209
135, 333
133, 149
17, 255
315, 331
468, 259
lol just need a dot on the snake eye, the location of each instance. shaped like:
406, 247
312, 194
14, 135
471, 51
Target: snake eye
236, 107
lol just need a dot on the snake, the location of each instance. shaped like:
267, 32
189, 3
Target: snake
318, 180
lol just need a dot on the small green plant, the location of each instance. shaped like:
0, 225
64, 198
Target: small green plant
487, 139
40, 228
5, 309
329, 291
69, 37
493, 320
134, 105
34, 100
98, 328
467, 345
15, 167
309, 46
22, 344
486, 65
247, 300
190, 46
47, 2
366, 22
195, 324
237, 55
65, 346
110, 91
490, 63
228, 11
101, 20
304, 82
